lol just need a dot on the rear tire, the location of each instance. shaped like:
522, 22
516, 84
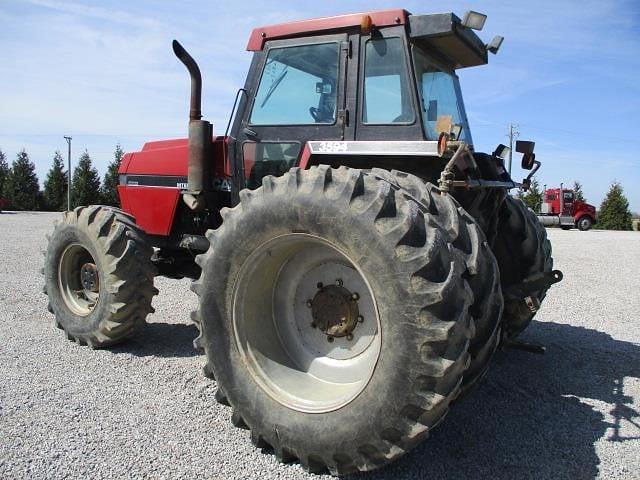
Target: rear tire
522, 250
98, 276
482, 270
413, 274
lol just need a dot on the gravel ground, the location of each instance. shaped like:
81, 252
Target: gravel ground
144, 410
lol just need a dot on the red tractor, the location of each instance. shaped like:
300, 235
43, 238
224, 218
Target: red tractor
357, 263
561, 208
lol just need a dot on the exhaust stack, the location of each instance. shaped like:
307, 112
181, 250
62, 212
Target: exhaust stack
200, 133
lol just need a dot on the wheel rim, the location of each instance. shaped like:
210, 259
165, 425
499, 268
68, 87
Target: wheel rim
78, 279
585, 223
308, 364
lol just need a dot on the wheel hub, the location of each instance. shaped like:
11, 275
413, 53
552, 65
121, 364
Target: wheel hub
334, 310
89, 277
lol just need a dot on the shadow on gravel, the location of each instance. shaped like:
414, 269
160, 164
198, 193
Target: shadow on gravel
527, 420
161, 340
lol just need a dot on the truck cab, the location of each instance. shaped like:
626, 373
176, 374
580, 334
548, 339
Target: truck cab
560, 207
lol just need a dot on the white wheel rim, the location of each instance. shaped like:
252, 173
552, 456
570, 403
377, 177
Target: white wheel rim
296, 364
77, 296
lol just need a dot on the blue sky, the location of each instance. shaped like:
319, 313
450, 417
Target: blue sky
104, 72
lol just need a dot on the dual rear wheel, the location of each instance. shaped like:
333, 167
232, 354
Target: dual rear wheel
339, 314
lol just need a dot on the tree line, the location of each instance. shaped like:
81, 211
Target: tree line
613, 214
20, 188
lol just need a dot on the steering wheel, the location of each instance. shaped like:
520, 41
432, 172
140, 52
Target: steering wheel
315, 114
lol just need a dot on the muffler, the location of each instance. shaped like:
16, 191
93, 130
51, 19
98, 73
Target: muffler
200, 133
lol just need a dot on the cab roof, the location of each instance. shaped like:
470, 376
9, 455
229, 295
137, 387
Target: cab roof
380, 18
443, 33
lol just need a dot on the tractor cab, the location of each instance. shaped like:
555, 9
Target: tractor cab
353, 85
367, 90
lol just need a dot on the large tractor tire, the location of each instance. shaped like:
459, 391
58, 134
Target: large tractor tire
98, 276
523, 251
334, 315
482, 270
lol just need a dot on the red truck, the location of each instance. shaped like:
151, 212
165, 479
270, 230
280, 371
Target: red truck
563, 210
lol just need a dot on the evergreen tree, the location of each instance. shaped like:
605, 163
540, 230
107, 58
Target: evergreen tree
614, 212
110, 183
4, 171
21, 186
533, 197
85, 189
577, 190
55, 186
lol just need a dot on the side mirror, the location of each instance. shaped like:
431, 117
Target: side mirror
526, 148
528, 160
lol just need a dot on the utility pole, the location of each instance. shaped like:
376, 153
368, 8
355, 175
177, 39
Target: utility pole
513, 134
68, 139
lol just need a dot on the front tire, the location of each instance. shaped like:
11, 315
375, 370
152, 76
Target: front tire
98, 276
584, 223
294, 234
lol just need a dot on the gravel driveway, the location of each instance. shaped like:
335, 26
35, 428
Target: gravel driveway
144, 410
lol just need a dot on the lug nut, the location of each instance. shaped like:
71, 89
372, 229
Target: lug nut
309, 303
339, 282
355, 296
360, 319
329, 339
350, 337
319, 285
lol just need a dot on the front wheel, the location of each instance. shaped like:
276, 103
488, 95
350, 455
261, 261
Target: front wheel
335, 316
98, 276
584, 223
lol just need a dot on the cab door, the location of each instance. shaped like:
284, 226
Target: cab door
297, 94
387, 101
567, 205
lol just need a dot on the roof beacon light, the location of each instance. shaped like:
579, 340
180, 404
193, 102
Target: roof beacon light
365, 24
474, 20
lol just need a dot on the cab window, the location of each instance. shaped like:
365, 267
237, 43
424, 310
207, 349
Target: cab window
387, 97
267, 158
298, 86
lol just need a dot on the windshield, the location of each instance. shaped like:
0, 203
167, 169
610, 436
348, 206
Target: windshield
441, 97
